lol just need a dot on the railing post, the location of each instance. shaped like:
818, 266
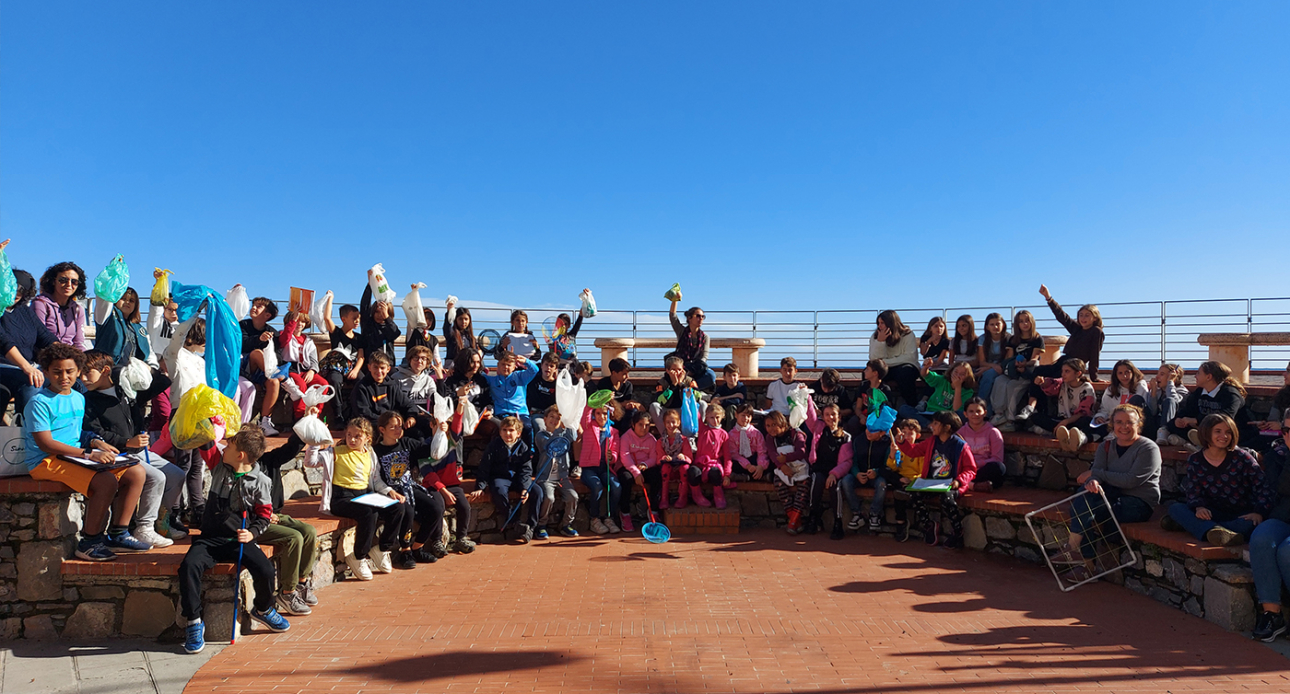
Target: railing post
633, 339
1249, 325
1163, 332
815, 339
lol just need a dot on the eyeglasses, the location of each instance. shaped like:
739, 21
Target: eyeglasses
700, 316
69, 281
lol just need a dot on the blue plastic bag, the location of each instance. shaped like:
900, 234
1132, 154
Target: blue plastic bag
112, 281
689, 413
8, 283
223, 335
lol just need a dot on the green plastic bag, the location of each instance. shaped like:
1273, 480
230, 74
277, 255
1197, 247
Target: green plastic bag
8, 283
111, 283
673, 294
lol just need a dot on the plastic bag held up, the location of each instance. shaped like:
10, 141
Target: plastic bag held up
202, 413
689, 413
135, 376
161, 289
111, 282
8, 283
442, 413
238, 301
318, 312
317, 395
469, 419
588, 303
412, 308
380, 286
571, 398
673, 294
312, 431
797, 398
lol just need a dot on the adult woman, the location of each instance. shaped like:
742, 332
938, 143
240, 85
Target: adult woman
57, 307
22, 334
122, 333
1270, 541
894, 343
1225, 494
692, 345
1126, 469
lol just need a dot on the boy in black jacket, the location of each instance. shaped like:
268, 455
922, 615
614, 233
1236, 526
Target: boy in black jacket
508, 464
377, 394
239, 508
118, 418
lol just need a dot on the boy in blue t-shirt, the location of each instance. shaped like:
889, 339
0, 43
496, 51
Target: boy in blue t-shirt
52, 428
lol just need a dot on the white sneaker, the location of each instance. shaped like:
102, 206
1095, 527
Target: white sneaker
1162, 436
292, 389
267, 427
998, 419
598, 527
1026, 412
360, 567
1062, 434
1075, 439
612, 527
381, 563
1175, 440
147, 535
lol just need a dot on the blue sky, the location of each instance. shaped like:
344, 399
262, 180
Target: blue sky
765, 155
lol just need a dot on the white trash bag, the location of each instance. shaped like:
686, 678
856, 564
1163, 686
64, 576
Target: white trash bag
571, 398
588, 303
317, 395
413, 311
318, 313
469, 419
238, 301
380, 286
135, 377
797, 399
270, 360
310, 429
442, 413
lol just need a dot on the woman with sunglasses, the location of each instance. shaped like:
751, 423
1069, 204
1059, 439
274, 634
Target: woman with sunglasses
692, 345
57, 306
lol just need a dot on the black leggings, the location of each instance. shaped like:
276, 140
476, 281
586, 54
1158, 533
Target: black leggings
204, 553
694, 475
429, 510
336, 379
904, 379
462, 506
367, 517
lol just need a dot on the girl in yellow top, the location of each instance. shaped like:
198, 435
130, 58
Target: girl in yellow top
354, 475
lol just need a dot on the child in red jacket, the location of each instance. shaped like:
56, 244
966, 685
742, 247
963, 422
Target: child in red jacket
946, 457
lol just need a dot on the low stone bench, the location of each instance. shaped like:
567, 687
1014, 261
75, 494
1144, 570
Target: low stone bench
744, 350
1233, 349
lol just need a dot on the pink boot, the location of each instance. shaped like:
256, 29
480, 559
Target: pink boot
663, 505
683, 497
697, 492
719, 496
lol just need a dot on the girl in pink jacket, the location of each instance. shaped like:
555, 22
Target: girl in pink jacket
674, 457
597, 450
745, 449
637, 456
709, 463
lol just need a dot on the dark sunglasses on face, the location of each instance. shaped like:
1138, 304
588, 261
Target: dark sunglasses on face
69, 281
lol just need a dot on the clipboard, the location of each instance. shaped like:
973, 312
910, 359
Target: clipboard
923, 484
374, 500
122, 461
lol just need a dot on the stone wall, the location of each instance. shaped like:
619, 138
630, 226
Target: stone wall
37, 530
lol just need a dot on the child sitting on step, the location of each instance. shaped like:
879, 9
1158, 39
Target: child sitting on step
745, 450
397, 456
638, 452
674, 457
596, 447
948, 458
554, 444
298, 351
709, 463
905, 469
786, 448
829, 459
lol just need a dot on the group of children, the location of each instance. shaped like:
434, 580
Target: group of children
399, 468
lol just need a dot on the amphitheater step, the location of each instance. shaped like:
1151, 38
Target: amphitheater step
702, 521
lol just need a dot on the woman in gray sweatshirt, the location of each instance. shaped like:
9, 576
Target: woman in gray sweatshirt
1126, 468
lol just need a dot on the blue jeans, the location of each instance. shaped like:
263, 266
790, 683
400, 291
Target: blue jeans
1270, 559
14, 381
597, 481
1197, 527
984, 388
1092, 519
849, 486
908, 411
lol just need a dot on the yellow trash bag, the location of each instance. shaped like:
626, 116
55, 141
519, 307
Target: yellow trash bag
191, 425
161, 290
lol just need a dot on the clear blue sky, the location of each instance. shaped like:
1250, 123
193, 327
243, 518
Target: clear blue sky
765, 155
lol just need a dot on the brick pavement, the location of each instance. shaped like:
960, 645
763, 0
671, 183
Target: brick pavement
758, 612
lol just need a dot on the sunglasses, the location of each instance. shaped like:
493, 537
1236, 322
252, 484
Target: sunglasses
69, 281
700, 316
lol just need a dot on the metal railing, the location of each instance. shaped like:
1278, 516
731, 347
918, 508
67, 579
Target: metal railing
1148, 332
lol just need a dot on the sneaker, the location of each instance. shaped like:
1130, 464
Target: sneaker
625, 522
464, 545
1191, 448
598, 527
932, 534
125, 542
148, 536
195, 637
999, 420
421, 555
1162, 436
439, 549
292, 389
271, 619
1218, 535
1066, 557
1175, 440
1193, 435
306, 591
902, 532
266, 425
813, 525
1026, 412
178, 530
837, 533
953, 542
1008, 427
526, 535
292, 604
983, 488
403, 561
541, 534
568, 531
1062, 434
361, 568
875, 524
1269, 626
1075, 440
613, 527
1040, 431
381, 562
1167, 522
854, 524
